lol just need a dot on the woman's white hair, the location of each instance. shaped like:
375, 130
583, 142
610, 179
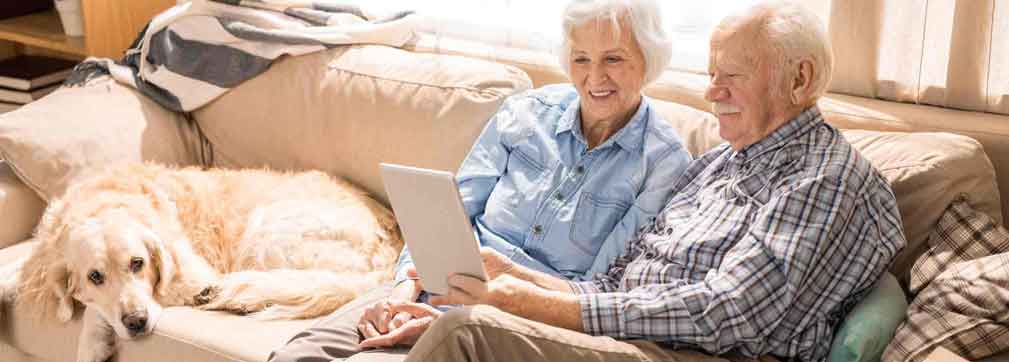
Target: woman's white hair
644, 18
792, 34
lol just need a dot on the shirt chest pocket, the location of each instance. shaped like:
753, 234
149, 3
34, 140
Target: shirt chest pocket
594, 220
522, 183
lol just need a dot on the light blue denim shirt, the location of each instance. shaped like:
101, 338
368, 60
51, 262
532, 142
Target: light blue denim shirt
536, 193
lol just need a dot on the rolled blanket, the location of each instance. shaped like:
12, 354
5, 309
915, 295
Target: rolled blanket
196, 51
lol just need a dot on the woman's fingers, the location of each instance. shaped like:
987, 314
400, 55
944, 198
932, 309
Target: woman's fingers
367, 330
407, 334
399, 320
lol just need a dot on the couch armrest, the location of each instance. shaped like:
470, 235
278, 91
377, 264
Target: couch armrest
20, 208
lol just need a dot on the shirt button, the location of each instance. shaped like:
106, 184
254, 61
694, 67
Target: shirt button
579, 170
537, 229
558, 197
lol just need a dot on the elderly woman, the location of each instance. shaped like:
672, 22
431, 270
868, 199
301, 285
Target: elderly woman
561, 176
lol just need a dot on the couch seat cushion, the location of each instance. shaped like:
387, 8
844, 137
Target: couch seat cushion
182, 334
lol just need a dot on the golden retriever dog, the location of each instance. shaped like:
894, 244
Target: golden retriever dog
130, 240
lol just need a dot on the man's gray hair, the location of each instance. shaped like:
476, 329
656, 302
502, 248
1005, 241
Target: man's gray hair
644, 18
794, 33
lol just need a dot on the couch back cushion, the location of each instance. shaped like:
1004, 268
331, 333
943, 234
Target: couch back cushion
926, 170
347, 109
49, 142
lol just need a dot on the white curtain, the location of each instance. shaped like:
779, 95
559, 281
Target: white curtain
535, 25
949, 53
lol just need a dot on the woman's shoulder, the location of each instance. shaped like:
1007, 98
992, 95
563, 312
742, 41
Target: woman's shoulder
552, 95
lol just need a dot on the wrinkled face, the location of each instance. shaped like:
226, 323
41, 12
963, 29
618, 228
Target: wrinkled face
740, 89
113, 271
608, 70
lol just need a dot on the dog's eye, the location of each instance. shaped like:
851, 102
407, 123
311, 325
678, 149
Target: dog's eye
136, 264
96, 277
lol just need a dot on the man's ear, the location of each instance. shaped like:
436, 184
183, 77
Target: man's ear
802, 82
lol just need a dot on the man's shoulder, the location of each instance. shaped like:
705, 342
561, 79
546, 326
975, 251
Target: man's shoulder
829, 157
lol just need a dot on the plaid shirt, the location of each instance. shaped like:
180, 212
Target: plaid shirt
760, 251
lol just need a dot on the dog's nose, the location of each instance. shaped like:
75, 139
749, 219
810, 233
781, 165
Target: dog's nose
135, 322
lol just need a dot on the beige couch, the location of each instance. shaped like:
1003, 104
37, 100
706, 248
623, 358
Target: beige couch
346, 109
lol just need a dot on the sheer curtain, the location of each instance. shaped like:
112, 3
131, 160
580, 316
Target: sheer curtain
534, 25
949, 53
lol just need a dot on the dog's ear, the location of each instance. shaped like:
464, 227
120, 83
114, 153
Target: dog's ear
44, 281
163, 260
63, 286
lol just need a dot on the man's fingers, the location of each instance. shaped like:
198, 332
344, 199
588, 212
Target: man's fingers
415, 309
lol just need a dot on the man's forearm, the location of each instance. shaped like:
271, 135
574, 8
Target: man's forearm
541, 279
555, 308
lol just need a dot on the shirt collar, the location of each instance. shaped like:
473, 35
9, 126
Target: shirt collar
798, 126
630, 137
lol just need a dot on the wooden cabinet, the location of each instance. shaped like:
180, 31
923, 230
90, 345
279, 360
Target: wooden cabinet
109, 28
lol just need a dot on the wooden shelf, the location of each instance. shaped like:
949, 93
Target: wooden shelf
42, 30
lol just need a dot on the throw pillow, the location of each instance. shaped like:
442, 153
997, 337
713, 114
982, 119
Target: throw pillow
870, 326
50, 141
966, 307
961, 234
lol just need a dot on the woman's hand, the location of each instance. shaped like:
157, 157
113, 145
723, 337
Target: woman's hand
408, 333
378, 318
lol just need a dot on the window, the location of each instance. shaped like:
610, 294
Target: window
534, 25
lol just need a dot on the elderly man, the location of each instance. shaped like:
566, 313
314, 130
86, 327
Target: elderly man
767, 243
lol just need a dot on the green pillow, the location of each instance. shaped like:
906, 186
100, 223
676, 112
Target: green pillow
868, 329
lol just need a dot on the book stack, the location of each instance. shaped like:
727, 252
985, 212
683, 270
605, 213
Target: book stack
15, 8
26, 78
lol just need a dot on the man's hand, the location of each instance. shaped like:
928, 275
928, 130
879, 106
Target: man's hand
504, 291
518, 297
409, 332
495, 263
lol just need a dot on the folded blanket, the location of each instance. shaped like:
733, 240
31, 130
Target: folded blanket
963, 292
192, 53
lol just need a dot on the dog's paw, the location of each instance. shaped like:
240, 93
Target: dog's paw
206, 295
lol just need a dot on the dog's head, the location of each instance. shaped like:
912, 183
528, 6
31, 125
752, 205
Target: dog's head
112, 260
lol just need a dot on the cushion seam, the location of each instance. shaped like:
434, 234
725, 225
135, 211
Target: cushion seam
22, 176
440, 86
200, 346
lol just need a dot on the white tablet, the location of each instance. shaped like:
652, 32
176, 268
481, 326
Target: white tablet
434, 224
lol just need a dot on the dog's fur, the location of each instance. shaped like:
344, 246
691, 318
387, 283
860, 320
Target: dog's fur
281, 246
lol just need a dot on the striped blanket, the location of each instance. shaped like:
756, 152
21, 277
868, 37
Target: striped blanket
196, 51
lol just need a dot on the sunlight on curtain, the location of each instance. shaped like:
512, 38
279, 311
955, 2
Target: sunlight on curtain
948, 53
998, 78
534, 25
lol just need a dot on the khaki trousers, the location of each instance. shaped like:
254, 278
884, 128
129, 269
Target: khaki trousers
484, 333
335, 337
477, 333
